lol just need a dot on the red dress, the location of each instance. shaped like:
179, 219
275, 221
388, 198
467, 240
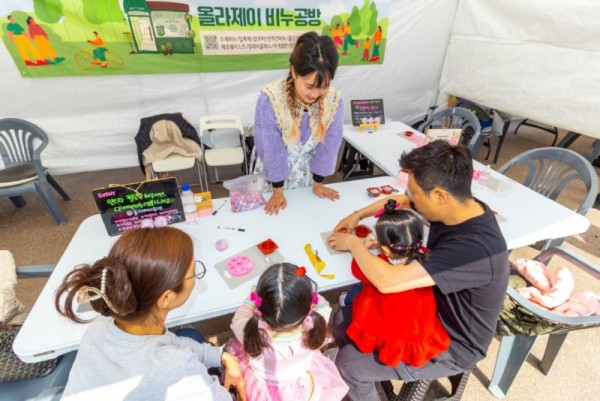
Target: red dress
402, 327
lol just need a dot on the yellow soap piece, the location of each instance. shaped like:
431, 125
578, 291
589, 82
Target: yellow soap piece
317, 262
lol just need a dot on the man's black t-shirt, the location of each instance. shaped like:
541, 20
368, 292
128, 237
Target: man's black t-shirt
469, 264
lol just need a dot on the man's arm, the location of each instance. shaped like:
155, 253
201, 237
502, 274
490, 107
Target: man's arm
349, 222
385, 278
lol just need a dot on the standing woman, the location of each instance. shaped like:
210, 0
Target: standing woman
299, 123
127, 353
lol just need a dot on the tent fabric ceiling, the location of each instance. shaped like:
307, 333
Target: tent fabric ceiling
538, 59
92, 122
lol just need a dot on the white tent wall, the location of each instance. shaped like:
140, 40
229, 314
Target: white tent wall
92, 122
538, 59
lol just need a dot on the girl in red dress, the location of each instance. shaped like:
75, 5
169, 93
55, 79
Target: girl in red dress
403, 326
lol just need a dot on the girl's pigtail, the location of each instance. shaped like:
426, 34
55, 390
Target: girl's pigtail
390, 206
254, 337
315, 337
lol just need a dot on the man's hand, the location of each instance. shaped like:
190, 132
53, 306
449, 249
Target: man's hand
276, 202
233, 375
324, 192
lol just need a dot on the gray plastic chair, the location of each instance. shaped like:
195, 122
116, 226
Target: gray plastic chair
458, 117
496, 120
551, 170
21, 145
514, 349
48, 387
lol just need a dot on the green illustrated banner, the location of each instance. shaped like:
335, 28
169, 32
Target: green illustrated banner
56, 38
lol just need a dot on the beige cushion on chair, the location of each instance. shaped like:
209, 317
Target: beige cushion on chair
173, 163
17, 174
223, 156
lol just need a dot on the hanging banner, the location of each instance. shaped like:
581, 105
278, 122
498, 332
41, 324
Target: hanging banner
54, 38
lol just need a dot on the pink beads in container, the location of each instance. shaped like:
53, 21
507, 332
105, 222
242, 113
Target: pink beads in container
241, 201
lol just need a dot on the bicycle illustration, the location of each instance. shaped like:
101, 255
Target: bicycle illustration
86, 60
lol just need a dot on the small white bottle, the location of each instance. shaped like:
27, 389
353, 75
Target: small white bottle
188, 200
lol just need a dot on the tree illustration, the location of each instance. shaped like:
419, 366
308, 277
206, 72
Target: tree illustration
355, 22
100, 12
48, 11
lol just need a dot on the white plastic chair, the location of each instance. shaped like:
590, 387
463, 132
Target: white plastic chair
222, 125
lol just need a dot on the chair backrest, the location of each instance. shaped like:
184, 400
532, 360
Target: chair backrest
551, 169
457, 117
221, 125
21, 142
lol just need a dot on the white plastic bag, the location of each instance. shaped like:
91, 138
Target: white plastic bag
246, 192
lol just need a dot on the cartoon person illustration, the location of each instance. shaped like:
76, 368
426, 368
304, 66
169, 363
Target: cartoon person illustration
337, 35
17, 34
366, 48
40, 37
347, 37
99, 51
376, 41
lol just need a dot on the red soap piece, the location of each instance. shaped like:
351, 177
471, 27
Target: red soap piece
362, 231
267, 246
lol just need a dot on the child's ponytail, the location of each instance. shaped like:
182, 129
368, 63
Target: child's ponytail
315, 337
254, 337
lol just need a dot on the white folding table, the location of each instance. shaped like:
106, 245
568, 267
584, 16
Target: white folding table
525, 218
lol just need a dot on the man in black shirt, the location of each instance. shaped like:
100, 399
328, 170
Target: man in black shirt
468, 267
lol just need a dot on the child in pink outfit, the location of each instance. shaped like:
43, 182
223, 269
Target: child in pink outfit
279, 330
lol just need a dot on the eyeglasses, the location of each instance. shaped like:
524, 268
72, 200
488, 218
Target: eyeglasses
199, 270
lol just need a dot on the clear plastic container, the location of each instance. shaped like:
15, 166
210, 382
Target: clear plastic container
188, 200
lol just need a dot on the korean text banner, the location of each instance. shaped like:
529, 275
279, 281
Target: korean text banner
53, 38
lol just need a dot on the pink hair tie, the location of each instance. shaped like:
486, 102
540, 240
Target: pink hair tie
381, 211
315, 298
254, 297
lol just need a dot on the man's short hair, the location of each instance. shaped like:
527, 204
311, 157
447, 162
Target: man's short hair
439, 164
9, 17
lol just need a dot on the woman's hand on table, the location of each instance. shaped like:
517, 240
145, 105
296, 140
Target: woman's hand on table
324, 192
276, 202
233, 375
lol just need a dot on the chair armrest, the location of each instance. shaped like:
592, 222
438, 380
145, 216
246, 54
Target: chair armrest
572, 257
35, 271
578, 261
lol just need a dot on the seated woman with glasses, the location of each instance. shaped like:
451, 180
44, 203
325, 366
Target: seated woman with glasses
127, 353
